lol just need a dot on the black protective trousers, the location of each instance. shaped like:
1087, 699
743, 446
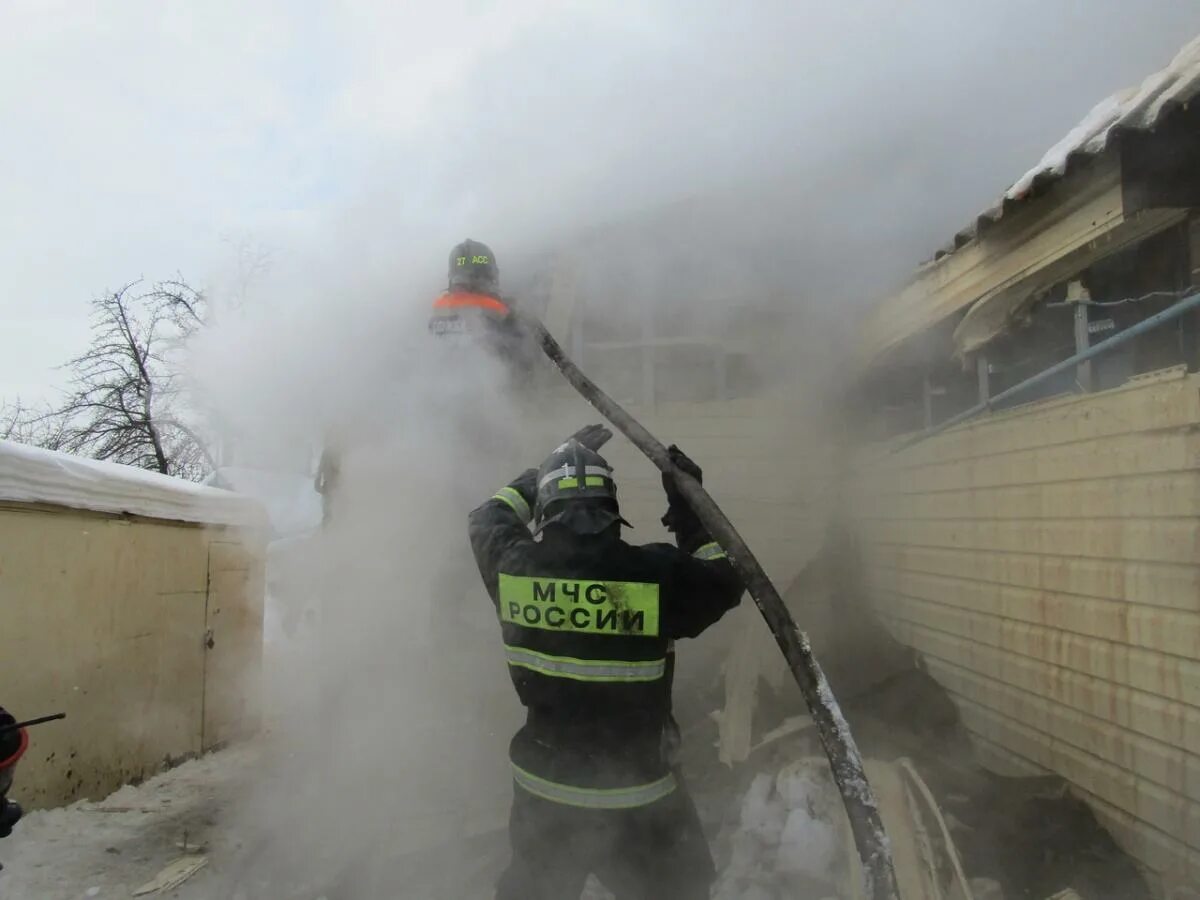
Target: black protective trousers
654, 852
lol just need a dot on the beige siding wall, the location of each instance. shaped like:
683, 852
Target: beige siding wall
146, 633
1045, 562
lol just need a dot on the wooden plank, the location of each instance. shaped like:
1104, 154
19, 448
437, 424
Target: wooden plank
1162, 400
1166, 721
1145, 540
1139, 798
1139, 496
1152, 584
1170, 859
1174, 632
741, 687
1170, 677
1079, 209
1169, 767
992, 314
1174, 867
1130, 454
1194, 247
1083, 371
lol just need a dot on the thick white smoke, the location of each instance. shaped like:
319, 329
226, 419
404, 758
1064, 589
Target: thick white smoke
821, 151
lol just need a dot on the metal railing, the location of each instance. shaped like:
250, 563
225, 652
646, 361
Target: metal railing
1170, 314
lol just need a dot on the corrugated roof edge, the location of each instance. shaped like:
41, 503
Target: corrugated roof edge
1127, 110
33, 475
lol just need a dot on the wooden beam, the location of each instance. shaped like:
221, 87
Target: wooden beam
993, 312
1083, 372
1043, 240
1194, 247
1076, 209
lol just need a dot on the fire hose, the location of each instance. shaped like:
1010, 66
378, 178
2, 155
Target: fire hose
832, 728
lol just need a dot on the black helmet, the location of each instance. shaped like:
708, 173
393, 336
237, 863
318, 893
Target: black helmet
576, 489
473, 268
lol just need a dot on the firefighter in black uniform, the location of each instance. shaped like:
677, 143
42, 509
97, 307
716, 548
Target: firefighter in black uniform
589, 623
13, 743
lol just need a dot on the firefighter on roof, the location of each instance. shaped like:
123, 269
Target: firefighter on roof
589, 624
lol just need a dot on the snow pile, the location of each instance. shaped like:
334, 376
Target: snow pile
33, 475
1135, 109
789, 841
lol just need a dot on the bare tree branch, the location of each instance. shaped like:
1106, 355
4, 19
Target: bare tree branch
124, 404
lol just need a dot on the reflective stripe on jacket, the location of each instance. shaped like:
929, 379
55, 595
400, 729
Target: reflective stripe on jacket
588, 624
454, 302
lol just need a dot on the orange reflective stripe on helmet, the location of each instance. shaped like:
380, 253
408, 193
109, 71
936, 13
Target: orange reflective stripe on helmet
478, 301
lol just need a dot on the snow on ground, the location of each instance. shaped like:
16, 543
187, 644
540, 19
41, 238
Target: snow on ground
109, 848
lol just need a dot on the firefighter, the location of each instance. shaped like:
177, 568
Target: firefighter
473, 309
326, 481
589, 622
13, 742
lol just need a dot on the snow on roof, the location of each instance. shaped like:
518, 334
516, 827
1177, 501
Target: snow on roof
33, 475
1132, 109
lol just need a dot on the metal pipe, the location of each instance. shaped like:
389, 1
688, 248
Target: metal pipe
1187, 304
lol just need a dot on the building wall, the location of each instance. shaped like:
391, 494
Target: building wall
147, 633
1045, 563
755, 454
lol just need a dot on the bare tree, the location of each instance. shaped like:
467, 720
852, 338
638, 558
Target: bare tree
13, 421
22, 423
124, 402
185, 308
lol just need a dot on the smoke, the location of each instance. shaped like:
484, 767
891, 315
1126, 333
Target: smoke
716, 166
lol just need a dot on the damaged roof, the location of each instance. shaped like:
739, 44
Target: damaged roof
1132, 109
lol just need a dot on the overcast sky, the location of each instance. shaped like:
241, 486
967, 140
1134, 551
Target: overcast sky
148, 138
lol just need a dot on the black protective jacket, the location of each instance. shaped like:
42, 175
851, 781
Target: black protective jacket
589, 624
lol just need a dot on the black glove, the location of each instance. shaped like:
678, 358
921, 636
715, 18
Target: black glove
684, 463
592, 436
679, 514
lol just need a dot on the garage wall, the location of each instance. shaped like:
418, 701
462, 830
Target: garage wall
147, 633
1046, 563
